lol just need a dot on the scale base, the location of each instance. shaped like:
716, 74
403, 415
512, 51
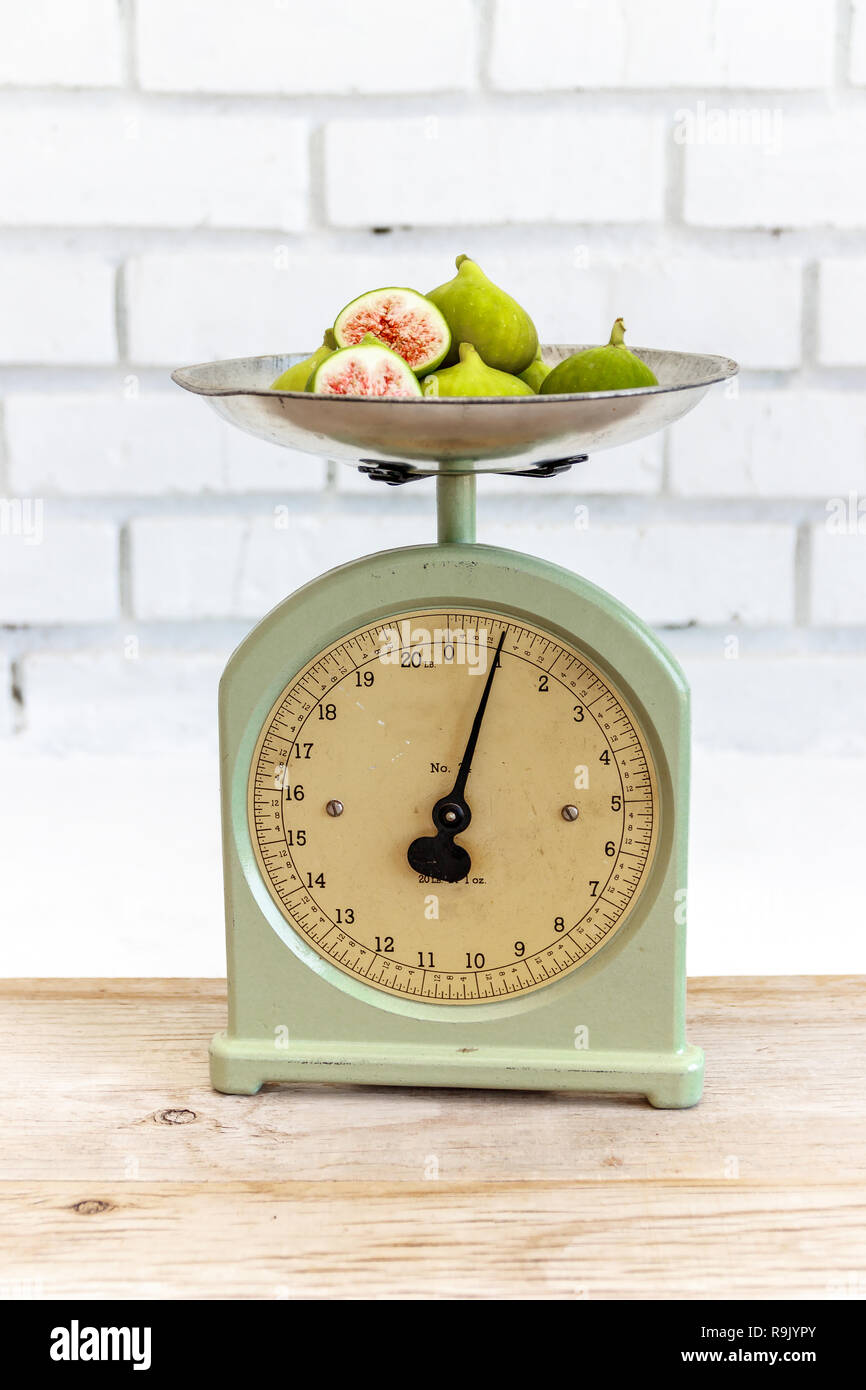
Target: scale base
670, 1081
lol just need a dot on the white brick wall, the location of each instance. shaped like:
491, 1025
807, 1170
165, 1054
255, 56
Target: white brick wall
274, 300
839, 573
68, 574
811, 176
842, 312
144, 444
673, 574
667, 44
86, 165
442, 172
239, 567
706, 302
857, 69
92, 444
63, 43
180, 182
280, 46
56, 308
174, 190
771, 444
130, 697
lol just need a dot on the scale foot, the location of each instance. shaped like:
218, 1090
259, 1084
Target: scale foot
670, 1081
232, 1070
678, 1092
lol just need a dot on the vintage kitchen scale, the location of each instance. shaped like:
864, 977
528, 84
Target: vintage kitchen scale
455, 777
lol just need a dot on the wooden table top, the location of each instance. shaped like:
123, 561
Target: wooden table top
126, 1176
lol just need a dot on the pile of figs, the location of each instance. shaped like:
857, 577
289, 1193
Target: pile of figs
465, 338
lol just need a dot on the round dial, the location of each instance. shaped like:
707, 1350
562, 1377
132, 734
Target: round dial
453, 806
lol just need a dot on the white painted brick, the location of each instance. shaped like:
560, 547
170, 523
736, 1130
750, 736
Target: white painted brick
708, 305
183, 568
274, 301
771, 444
693, 303
296, 49
842, 313
64, 43
176, 317
858, 43
812, 177
448, 171
777, 705
133, 165
70, 576
106, 703
670, 43
151, 445
839, 571
632, 468
98, 444
673, 573
252, 465
567, 293
241, 566
56, 308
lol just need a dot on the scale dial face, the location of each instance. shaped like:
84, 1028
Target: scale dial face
369, 738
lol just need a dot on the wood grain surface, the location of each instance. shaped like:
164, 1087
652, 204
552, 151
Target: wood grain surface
124, 1175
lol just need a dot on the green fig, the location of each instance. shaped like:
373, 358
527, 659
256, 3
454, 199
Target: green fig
473, 377
296, 378
535, 372
609, 368
403, 320
368, 368
480, 313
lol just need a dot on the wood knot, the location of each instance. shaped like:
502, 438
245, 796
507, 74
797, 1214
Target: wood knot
175, 1117
612, 1161
92, 1206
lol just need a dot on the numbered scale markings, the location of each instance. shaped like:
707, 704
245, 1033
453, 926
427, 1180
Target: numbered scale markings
556, 820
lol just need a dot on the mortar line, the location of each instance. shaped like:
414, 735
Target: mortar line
803, 576
842, 46
16, 695
4, 454
317, 193
126, 10
121, 321
484, 38
124, 572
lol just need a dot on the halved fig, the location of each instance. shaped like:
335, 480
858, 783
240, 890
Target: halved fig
367, 369
404, 320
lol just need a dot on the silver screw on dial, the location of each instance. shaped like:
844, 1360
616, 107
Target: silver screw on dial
569, 813
334, 808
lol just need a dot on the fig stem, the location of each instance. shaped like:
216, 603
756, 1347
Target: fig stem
617, 334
